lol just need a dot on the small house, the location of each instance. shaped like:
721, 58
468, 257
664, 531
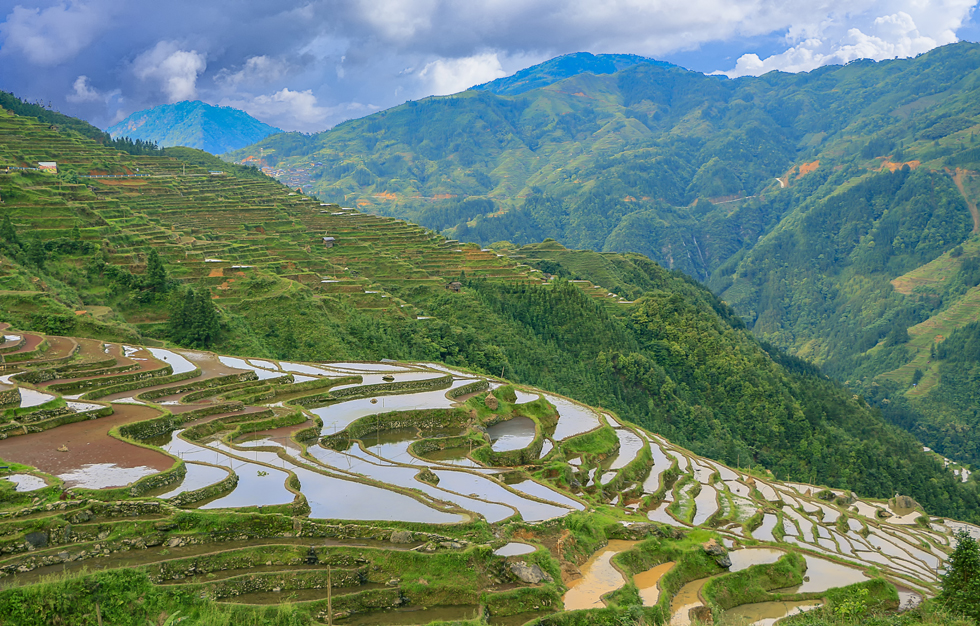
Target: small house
48, 166
455, 286
328, 242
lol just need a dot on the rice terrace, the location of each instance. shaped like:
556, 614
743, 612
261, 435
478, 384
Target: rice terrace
400, 493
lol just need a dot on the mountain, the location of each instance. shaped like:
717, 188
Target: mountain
560, 68
834, 210
240, 263
215, 129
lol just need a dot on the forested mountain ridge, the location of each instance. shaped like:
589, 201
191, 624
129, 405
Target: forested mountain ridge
239, 263
834, 210
563, 67
647, 160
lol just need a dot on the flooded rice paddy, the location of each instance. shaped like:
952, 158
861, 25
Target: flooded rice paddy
514, 548
377, 478
26, 482
513, 434
648, 583
768, 613
599, 577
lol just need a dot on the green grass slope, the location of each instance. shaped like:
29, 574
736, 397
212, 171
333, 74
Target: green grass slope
117, 258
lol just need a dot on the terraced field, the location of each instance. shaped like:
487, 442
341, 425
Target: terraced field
216, 230
363, 492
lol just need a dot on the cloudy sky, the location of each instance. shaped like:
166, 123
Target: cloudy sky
307, 65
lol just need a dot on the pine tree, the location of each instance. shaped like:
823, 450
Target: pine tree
156, 273
8, 234
961, 582
35, 252
194, 319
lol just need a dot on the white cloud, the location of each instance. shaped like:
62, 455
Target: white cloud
82, 91
446, 76
174, 70
298, 110
915, 28
53, 35
399, 20
257, 70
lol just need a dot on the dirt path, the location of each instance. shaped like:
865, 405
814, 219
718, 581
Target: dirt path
958, 179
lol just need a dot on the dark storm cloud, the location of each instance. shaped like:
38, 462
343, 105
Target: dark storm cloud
308, 65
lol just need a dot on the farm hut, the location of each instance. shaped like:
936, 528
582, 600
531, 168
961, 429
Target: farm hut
328, 242
455, 286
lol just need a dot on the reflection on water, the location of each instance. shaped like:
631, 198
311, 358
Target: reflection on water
198, 477
514, 434
629, 446
537, 490
707, 504
686, 599
514, 548
647, 581
824, 574
487, 489
104, 475
524, 397
768, 613
598, 577
337, 417
26, 482
179, 364
335, 498
574, 419
31, 398
661, 515
764, 532
452, 456
748, 557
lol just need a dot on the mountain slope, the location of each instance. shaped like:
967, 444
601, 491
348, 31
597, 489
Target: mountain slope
563, 67
115, 257
813, 203
653, 159
215, 129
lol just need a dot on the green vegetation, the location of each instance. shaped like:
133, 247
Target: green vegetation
244, 271
961, 582
835, 210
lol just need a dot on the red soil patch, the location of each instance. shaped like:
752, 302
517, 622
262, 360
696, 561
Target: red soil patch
80, 312
216, 273
386, 195
806, 168
31, 342
87, 442
892, 166
58, 347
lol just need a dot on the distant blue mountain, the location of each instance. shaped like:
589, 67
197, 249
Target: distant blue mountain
196, 124
563, 67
